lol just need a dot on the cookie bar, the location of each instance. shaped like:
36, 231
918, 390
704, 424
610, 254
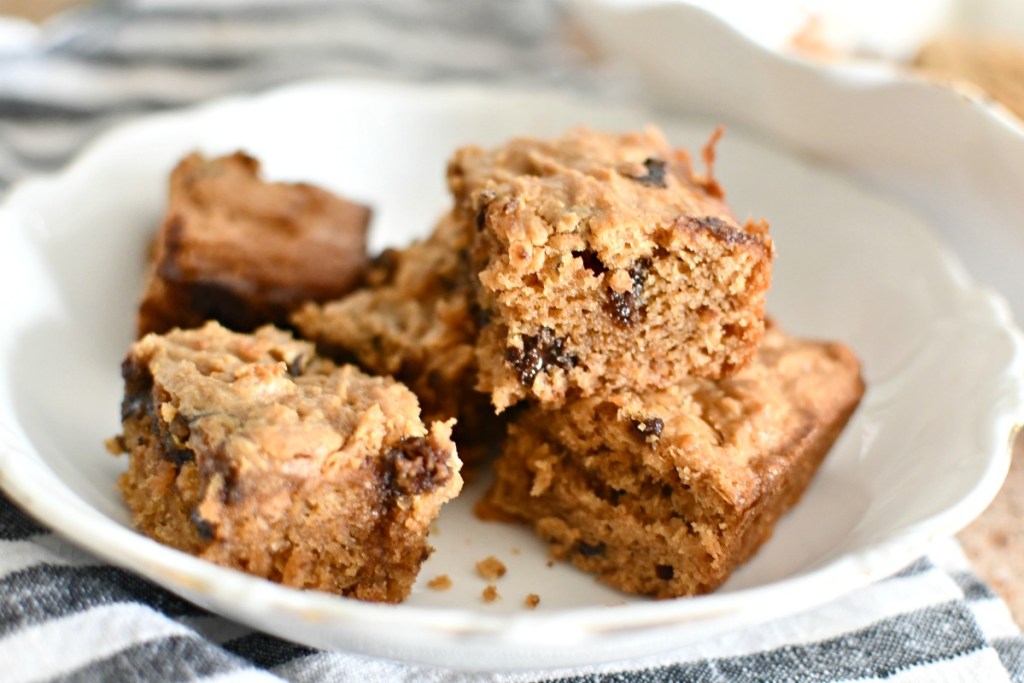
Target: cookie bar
414, 320
246, 252
249, 451
666, 493
605, 263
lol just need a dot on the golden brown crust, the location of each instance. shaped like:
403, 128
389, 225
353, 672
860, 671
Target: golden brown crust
248, 451
666, 493
246, 252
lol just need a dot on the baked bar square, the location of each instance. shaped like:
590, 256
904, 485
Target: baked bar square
605, 263
246, 252
665, 494
416, 320
249, 451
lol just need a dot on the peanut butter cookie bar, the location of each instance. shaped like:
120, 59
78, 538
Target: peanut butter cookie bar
245, 252
665, 493
249, 451
605, 262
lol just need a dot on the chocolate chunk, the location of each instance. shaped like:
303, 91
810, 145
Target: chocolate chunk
203, 527
655, 173
415, 466
587, 550
630, 307
649, 428
665, 572
591, 262
539, 353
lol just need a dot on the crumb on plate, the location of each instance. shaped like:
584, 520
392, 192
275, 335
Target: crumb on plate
440, 583
490, 568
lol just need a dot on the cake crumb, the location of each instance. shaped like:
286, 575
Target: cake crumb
531, 601
490, 568
440, 583
490, 593
115, 445
517, 551
551, 563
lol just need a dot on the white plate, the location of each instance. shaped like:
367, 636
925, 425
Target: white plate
957, 156
924, 454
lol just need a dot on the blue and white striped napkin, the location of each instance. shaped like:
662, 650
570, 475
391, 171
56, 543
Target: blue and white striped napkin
65, 615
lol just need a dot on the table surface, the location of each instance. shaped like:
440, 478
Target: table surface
994, 542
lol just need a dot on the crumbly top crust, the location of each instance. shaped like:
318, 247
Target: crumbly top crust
264, 401
415, 307
618, 197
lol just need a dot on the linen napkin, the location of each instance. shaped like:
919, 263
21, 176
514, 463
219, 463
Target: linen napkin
65, 615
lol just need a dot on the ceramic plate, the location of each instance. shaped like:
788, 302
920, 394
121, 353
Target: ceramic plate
924, 454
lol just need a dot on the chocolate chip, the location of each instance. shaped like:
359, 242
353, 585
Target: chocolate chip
203, 527
539, 353
178, 456
138, 385
483, 202
655, 173
587, 550
630, 307
665, 572
297, 365
414, 466
649, 428
590, 261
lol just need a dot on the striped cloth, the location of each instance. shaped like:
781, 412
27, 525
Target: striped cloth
64, 615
